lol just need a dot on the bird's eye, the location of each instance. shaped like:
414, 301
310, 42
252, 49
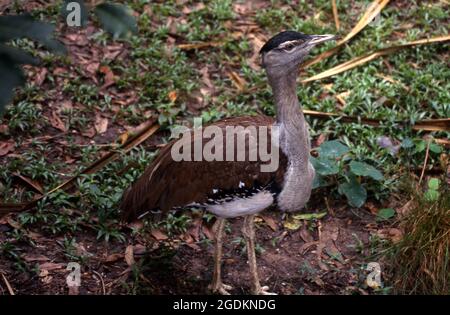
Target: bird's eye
289, 47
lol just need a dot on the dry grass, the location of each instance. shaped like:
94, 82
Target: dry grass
421, 260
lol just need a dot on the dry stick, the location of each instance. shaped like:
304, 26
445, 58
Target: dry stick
427, 125
358, 61
335, 15
427, 152
10, 289
101, 281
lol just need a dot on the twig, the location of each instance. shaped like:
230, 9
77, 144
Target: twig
335, 15
427, 152
10, 289
101, 280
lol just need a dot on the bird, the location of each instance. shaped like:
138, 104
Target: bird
230, 188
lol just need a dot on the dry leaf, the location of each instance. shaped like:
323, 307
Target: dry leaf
129, 255
113, 257
173, 96
207, 232
4, 129
101, 124
158, 235
239, 82
51, 266
40, 77
31, 257
394, 234
57, 123
32, 183
109, 77
6, 147
269, 221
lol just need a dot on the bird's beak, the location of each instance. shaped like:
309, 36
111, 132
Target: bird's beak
317, 39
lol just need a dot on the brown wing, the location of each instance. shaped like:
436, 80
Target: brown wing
166, 183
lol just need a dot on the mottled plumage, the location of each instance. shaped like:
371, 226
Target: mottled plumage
166, 184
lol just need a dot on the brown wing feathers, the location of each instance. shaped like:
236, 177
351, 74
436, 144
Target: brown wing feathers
166, 184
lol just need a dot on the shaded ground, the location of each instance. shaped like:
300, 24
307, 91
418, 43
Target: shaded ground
290, 262
73, 111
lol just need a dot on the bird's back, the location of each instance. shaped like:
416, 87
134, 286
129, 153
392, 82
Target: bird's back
167, 183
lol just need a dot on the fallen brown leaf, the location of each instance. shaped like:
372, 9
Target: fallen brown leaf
237, 80
49, 266
173, 96
158, 235
269, 221
32, 183
40, 77
56, 122
6, 147
129, 255
31, 257
113, 257
101, 124
109, 77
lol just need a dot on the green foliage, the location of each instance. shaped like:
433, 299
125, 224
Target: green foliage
432, 193
14, 27
115, 18
334, 161
385, 214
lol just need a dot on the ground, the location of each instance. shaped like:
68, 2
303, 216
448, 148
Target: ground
77, 108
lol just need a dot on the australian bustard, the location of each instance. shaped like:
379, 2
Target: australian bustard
230, 188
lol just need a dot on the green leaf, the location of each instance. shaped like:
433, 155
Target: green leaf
431, 195
332, 149
407, 143
19, 26
436, 148
363, 169
83, 11
11, 76
116, 19
433, 184
420, 146
324, 166
356, 194
385, 214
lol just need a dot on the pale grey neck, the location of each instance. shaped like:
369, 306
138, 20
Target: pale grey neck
294, 136
294, 141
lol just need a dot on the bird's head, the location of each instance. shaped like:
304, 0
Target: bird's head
288, 49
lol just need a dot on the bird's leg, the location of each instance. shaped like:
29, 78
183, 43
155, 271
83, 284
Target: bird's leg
217, 285
248, 230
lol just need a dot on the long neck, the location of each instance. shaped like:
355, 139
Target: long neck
293, 128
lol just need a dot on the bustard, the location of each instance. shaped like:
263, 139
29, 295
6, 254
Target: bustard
230, 188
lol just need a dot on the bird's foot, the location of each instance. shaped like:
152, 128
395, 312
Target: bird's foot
263, 291
220, 288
